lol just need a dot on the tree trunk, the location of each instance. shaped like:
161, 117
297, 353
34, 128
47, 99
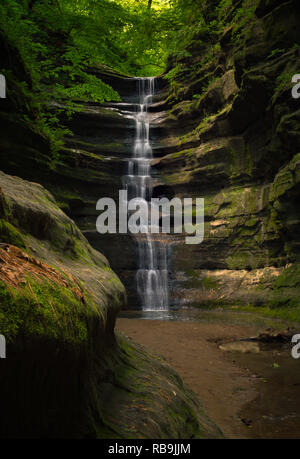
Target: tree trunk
149, 4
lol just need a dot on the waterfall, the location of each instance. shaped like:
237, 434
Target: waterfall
152, 273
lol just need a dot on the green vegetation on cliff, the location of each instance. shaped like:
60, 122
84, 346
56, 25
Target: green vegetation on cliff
234, 127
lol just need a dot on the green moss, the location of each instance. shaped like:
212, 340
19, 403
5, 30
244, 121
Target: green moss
242, 162
289, 278
63, 206
251, 222
286, 313
5, 211
10, 235
274, 223
206, 283
284, 81
209, 283
44, 308
138, 376
65, 195
244, 259
192, 273
189, 152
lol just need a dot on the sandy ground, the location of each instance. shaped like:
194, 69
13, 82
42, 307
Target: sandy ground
192, 349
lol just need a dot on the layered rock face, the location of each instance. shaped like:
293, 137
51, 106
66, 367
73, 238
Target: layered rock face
231, 135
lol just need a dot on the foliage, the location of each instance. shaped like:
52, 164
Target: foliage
61, 41
196, 52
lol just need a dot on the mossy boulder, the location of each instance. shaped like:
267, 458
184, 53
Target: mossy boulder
66, 374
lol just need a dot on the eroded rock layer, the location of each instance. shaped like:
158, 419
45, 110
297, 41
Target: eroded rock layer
230, 134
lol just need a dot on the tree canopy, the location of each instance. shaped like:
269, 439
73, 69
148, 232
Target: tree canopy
60, 41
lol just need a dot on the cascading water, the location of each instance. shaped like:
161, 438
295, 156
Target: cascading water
152, 274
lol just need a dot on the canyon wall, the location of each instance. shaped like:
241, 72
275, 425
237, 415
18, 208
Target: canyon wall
230, 134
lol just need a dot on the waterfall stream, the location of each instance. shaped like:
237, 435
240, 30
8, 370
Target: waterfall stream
152, 273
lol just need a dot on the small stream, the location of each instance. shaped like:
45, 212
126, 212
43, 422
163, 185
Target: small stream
274, 412
221, 316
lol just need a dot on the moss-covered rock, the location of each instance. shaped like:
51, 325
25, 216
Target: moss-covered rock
131, 410
66, 374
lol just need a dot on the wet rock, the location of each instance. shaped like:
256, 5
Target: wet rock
275, 336
240, 346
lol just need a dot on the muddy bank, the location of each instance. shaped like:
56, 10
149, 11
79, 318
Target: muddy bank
249, 391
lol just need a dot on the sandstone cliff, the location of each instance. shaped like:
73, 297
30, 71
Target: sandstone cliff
230, 134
